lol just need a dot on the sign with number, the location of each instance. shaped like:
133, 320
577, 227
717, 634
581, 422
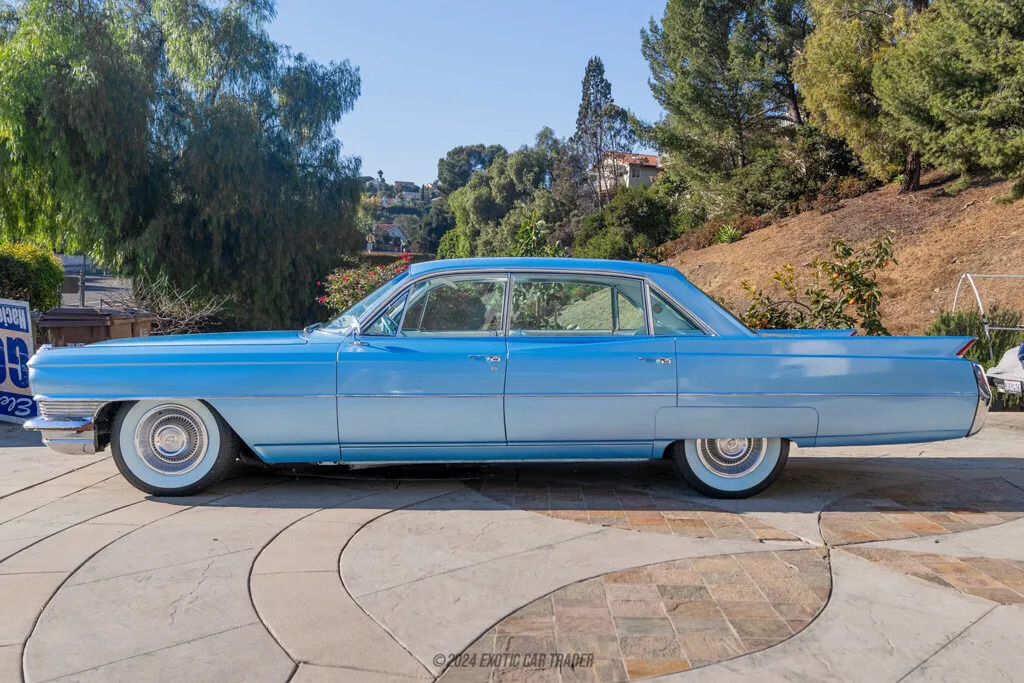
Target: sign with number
17, 346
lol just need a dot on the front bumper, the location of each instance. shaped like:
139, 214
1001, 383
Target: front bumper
984, 400
69, 436
67, 426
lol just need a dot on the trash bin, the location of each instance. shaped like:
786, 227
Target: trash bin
74, 326
142, 321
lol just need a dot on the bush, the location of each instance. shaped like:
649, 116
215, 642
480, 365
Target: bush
727, 234
843, 292
970, 324
351, 283
707, 234
31, 273
633, 223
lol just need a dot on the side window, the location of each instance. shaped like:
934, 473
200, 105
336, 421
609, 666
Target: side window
386, 324
546, 305
455, 306
669, 321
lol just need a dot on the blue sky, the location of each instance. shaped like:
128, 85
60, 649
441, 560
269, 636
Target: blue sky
446, 73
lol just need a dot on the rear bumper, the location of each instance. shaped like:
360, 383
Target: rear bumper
68, 436
984, 400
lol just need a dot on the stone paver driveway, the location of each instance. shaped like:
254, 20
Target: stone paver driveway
874, 564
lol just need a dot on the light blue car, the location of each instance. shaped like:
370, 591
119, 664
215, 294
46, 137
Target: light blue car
506, 360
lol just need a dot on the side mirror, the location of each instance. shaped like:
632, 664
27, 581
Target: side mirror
356, 331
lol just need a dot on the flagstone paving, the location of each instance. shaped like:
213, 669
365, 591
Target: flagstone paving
623, 508
874, 564
662, 618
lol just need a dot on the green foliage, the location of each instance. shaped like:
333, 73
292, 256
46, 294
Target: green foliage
30, 273
635, 222
727, 235
435, 224
841, 292
601, 126
532, 238
954, 87
453, 244
353, 282
970, 324
835, 74
459, 164
722, 71
176, 139
705, 235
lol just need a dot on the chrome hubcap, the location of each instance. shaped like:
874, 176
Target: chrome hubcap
731, 457
171, 439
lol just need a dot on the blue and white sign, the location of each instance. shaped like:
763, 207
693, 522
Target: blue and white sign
17, 346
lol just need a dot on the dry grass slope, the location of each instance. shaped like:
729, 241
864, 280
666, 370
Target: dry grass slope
937, 239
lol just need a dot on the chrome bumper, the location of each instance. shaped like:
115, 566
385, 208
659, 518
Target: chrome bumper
71, 436
984, 400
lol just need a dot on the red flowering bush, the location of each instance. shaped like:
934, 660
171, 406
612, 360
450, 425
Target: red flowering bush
353, 282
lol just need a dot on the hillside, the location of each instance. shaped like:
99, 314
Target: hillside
937, 239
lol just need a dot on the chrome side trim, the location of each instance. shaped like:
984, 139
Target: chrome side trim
368, 464
833, 394
666, 395
275, 397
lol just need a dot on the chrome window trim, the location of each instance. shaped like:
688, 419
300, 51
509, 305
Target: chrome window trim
533, 271
686, 311
508, 271
371, 317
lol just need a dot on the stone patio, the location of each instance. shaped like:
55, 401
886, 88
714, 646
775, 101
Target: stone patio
873, 564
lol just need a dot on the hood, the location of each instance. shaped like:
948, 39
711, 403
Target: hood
286, 337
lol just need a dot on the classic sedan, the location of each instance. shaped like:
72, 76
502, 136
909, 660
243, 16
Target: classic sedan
506, 360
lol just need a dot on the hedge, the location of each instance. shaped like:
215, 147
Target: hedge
30, 273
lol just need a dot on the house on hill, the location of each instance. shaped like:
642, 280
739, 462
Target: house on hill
624, 168
388, 237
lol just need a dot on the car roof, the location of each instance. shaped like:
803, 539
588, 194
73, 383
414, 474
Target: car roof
624, 267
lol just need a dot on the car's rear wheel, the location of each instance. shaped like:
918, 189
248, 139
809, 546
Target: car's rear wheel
730, 468
172, 447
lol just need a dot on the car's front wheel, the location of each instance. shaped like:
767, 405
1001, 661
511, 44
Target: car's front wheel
172, 447
730, 468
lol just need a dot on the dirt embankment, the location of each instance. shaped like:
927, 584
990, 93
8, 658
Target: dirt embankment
937, 239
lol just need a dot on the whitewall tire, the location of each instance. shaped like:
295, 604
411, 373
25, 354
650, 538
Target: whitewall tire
730, 468
172, 447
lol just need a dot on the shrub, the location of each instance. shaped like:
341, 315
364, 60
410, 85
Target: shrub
629, 227
707, 234
727, 234
843, 292
352, 282
970, 324
174, 311
30, 273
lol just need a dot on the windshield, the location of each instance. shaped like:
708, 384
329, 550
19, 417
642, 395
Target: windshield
349, 317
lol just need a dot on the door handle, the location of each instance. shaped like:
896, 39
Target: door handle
660, 360
480, 356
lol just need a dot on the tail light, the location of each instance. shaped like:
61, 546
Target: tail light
966, 347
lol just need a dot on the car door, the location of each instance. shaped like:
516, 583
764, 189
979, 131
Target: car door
428, 374
583, 368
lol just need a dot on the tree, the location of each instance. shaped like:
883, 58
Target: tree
954, 88
836, 76
436, 223
601, 126
722, 70
175, 138
456, 167
633, 223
